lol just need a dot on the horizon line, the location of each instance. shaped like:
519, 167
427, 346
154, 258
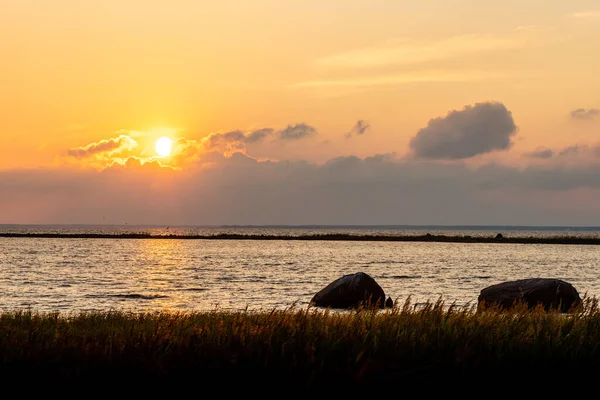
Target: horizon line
464, 226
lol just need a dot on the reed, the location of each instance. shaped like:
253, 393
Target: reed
303, 348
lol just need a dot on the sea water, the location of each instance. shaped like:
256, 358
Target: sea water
93, 274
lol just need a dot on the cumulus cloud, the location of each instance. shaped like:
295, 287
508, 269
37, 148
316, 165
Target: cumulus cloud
215, 140
359, 128
103, 146
540, 153
124, 149
585, 114
297, 131
259, 135
477, 129
238, 139
185, 150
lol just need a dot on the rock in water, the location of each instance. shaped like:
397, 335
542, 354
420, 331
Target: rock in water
552, 294
352, 291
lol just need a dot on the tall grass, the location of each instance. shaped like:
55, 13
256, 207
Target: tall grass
302, 347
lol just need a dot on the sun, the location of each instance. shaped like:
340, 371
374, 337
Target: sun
163, 146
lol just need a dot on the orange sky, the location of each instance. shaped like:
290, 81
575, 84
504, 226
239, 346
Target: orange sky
93, 84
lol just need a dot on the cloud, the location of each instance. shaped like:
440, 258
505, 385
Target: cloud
412, 60
237, 139
381, 189
296, 132
586, 14
527, 28
215, 140
585, 114
138, 163
124, 150
540, 153
103, 146
359, 128
259, 135
433, 76
573, 150
404, 51
185, 150
481, 128
574, 154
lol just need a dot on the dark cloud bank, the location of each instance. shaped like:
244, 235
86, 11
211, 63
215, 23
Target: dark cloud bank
346, 190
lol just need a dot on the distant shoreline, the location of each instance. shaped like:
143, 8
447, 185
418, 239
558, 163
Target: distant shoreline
323, 237
497, 228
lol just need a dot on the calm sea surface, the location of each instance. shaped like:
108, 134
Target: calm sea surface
69, 274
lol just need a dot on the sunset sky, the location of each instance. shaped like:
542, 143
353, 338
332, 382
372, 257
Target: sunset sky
429, 112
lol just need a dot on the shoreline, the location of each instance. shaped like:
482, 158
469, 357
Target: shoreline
324, 237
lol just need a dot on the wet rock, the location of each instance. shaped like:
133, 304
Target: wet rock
552, 294
352, 291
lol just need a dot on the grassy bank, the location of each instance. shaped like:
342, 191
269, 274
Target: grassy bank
301, 348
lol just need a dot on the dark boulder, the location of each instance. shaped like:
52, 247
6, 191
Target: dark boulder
352, 291
552, 294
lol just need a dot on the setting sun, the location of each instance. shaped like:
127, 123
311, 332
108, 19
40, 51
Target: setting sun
163, 146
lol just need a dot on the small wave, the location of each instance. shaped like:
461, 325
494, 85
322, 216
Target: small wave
140, 296
257, 279
133, 296
386, 262
405, 277
195, 289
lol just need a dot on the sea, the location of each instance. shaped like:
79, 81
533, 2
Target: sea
169, 272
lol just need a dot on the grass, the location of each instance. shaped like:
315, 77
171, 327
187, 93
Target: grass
307, 348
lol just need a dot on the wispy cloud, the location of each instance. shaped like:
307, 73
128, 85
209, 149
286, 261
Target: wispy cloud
586, 14
406, 51
359, 128
405, 78
527, 28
